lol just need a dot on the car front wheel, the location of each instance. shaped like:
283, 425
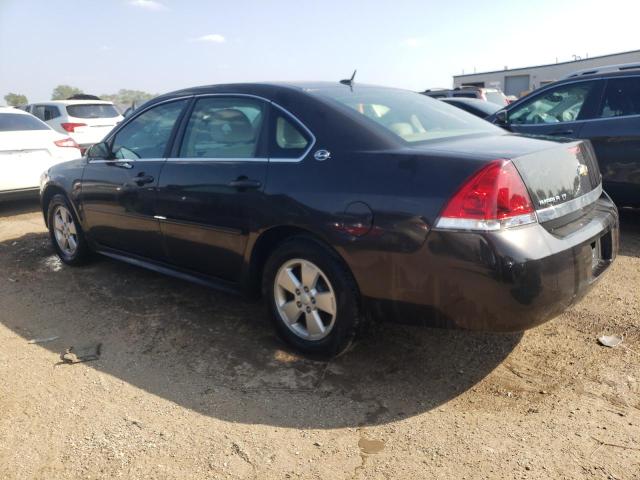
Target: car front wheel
312, 297
66, 235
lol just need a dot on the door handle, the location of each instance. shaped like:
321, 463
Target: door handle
562, 132
143, 179
241, 183
125, 164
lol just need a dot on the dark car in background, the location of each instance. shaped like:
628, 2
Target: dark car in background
479, 108
492, 95
600, 105
341, 203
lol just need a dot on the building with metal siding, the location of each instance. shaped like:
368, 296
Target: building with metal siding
519, 81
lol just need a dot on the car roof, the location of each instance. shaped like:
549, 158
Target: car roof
607, 69
13, 110
73, 102
266, 89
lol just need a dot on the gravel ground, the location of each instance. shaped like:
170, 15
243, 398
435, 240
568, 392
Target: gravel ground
192, 383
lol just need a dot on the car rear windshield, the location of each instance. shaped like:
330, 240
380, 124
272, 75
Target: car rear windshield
495, 97
413, 117
97, 110
12, 122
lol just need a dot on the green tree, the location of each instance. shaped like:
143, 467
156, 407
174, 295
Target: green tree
124, 98
15, 99
62, 92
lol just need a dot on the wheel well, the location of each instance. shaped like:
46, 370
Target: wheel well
267, 243
47, 195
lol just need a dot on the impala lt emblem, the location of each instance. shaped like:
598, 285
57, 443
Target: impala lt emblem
322, 155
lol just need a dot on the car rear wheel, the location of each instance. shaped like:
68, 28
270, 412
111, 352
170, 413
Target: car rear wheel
66, 235
312, 297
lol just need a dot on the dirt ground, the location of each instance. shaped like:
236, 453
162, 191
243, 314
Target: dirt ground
192, 383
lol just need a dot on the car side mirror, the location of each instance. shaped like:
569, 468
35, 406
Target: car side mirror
502, 117
100, 151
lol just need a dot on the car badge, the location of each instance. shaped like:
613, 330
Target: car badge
583, 170
322, 155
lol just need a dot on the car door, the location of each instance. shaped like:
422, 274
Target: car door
119, 188
615, 135
557, 111
209, 189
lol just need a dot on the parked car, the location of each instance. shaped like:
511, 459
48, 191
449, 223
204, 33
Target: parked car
479, 108
341, 203
492, 95
28, 147
601, 105
86, 121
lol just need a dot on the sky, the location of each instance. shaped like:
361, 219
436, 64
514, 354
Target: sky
157, 46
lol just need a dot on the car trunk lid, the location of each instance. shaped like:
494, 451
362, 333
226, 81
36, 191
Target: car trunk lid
561, 176
560, 180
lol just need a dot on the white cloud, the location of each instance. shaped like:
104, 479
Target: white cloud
211, 38
413, 42
148, 4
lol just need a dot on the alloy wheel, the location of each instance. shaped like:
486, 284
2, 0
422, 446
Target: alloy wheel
65, 231
305, 299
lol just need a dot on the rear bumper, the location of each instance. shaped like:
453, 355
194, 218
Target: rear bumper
509, 280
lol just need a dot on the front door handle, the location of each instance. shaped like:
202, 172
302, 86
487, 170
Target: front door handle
562, 132
143, 179
244, 182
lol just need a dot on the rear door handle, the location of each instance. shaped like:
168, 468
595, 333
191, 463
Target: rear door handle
143, 179
245, 183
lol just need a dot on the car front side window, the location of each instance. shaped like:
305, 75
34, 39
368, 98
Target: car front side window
562, 104
147, 135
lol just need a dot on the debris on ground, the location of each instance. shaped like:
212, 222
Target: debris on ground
370, 446
610, 340
43, 340
81, 354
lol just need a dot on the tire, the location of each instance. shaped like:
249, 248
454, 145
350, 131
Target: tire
66, 235
329, 313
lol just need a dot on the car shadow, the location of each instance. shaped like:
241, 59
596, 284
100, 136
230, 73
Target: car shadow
9, 208
216, 354
630, 232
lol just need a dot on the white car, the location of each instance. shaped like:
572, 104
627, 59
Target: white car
86, 121
28, 147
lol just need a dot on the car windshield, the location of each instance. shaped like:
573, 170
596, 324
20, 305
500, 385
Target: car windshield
12, 122
412, 117
95, 110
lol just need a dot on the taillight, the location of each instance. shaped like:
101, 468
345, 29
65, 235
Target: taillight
495, 197
71, 127
67, 142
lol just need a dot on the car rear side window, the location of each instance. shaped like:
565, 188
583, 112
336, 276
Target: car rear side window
287, 139
147, 135
223, 127
621, 97
93, 110
13, 122
560, 104
51, 112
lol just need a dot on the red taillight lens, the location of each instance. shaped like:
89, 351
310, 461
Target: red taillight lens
67, 142
494, 197
71, 127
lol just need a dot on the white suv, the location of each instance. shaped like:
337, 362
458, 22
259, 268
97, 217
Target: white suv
86, 121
